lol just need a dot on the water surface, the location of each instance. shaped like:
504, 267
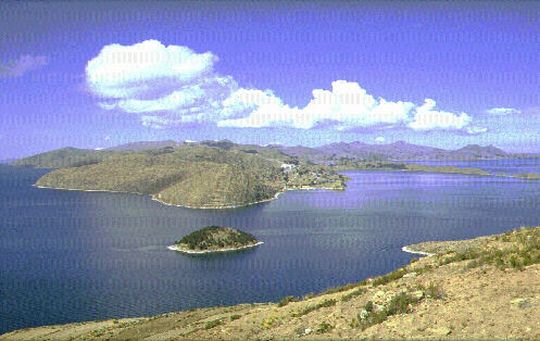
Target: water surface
74, 256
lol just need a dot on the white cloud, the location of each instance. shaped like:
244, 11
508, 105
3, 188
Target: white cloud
346, 106
426, 118
503, 111
380, 139
476, 130
170, 83
174, 85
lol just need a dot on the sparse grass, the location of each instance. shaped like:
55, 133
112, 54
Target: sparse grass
344, 287
520, 249
390, 277
353, 294
235, 317
309, 309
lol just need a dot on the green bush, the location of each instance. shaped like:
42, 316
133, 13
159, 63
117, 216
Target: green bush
212, 324
286, 300
324, 327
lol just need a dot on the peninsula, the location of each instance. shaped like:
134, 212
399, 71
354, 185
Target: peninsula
213, 239
209, 174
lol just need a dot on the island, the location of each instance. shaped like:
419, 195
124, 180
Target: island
212, 239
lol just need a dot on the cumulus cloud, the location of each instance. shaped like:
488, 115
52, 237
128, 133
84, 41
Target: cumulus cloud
346, 105
427, 118
23, 65
174, 85
503, 111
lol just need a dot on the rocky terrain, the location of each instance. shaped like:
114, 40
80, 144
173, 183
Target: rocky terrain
485, 288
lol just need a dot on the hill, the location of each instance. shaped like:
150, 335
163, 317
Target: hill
64, 157
191, 175
423, 300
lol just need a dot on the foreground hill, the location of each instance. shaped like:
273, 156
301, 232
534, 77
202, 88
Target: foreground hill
423, 300
191, 175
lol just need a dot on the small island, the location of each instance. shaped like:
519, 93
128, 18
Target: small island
215, 239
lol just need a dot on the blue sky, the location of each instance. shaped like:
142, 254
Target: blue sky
441, 74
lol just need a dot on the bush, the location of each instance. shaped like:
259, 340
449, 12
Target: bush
434, 291
212, 324
399, 304
286, 300
324, 327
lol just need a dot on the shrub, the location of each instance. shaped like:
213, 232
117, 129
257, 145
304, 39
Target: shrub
399, 304
434, 291
324, 327
286, 300
212, 324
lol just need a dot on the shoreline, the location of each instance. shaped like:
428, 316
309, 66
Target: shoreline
154, 197
423, 253
194, 252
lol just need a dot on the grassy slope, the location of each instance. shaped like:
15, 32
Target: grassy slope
189, 175
425, 299
65, 157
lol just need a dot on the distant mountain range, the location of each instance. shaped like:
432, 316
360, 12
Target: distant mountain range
326, 154
397, 151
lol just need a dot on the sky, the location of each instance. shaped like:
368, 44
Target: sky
98, 74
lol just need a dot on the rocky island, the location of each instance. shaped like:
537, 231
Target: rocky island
215, 239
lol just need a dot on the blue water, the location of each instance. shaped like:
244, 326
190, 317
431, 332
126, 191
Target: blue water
73, 256
505, 166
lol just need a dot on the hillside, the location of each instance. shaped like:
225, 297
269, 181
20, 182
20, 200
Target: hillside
192, 175
65, 157
423, 300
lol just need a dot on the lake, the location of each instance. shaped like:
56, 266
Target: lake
74, 256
